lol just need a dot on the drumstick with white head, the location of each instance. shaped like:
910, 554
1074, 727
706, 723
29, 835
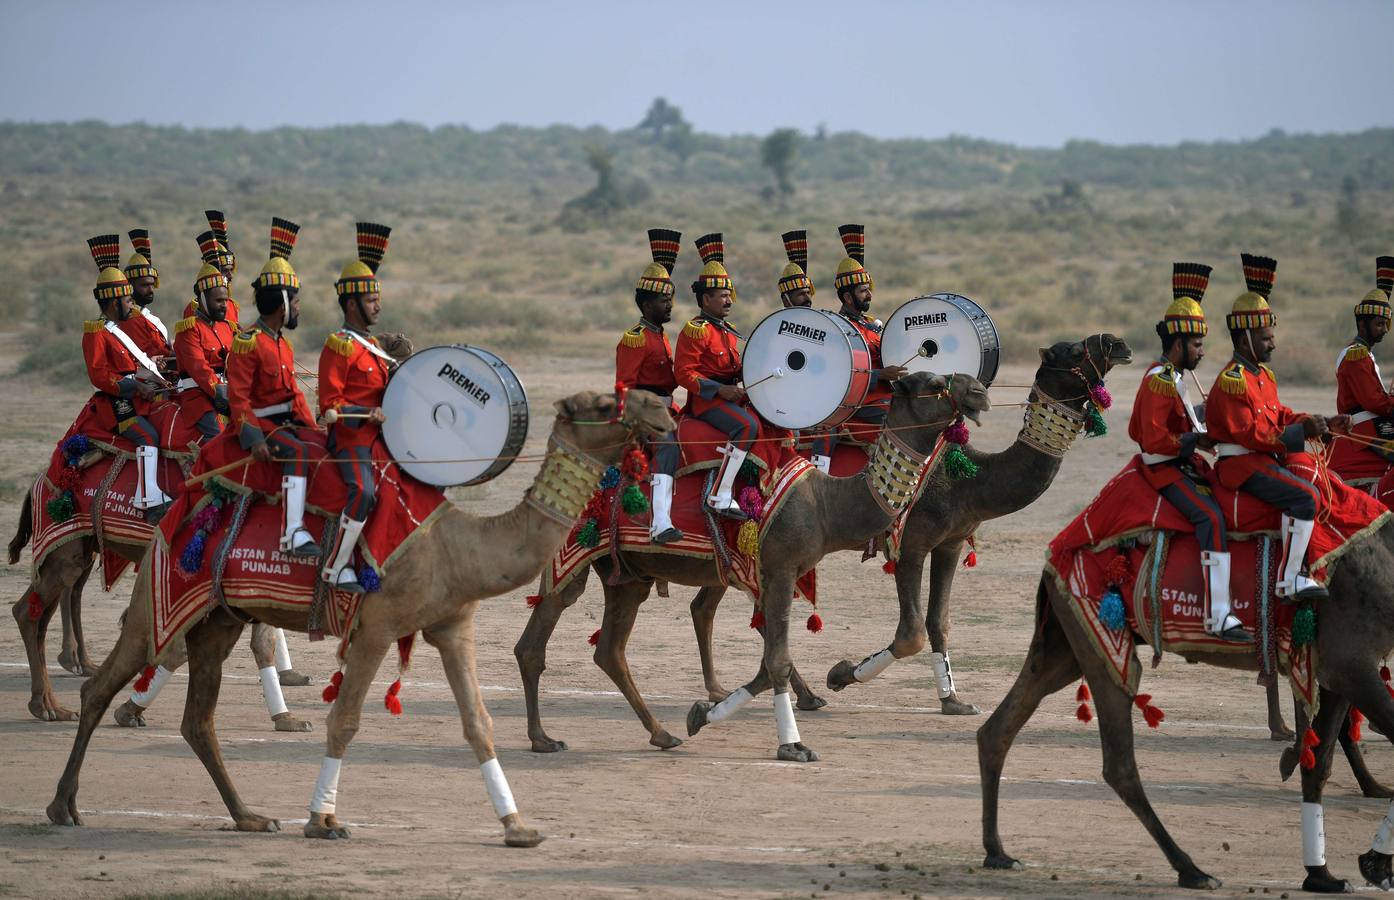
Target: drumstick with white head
777, 373
330, 416
923, 351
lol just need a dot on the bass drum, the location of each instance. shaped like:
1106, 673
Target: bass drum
455, 415
806, 368
942, 333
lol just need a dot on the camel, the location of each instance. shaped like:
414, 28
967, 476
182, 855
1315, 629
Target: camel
820, 512
433, 587
950, 511
58, 583
1356, 631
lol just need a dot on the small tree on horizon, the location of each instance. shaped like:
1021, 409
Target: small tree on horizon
780, 153
661, 116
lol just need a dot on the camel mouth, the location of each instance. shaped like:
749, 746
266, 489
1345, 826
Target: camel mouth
974, 413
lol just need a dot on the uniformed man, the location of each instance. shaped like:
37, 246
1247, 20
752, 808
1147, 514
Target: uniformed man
1254, 432
855, 287
126, 378
226, 263
1168, 429
201, 345
795, 287
1360, 389
353, 372
264, 397
707, 362
644, 361
144, 327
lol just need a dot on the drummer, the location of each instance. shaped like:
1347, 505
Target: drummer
353, 373
644, 361
223, 258
854, 286
708, 363
795, 287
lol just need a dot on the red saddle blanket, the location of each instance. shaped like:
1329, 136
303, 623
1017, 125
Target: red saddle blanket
227, 529
702, 444
629, 533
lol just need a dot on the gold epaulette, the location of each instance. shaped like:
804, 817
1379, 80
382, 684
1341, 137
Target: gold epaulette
634, 337
184, 325
1161, 382
340, 343
92, 326
245, 342
1355, 352
1232, 380
695, 329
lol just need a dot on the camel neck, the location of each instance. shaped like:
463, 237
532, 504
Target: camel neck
1008, 481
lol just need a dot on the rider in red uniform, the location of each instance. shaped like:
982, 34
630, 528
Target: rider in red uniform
226, 262
1360, 389
201, 345
144, 327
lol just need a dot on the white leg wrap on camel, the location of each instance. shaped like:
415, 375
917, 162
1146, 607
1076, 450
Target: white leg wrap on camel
283, 662
784, 720
271, 690
497, 786
727, 708
327, 787
873, 665
1313, 835
145, 698
943, 675
1384, 837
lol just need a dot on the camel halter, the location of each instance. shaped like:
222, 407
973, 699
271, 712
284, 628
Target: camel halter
565, 483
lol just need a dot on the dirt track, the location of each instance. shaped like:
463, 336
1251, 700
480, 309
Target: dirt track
892, 808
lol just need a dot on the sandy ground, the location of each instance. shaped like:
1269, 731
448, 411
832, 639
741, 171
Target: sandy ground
893, 807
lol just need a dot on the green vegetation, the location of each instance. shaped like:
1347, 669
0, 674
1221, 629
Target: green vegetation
530, 240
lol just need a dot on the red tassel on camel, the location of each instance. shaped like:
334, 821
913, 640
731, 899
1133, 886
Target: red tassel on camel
1083, 712
1152, 714
757, 620
331, 690
1309, 740
393, 704
534, 601
1356, 719
143, 682
36, 606
594, 639
815, 623
889, 567
971, 560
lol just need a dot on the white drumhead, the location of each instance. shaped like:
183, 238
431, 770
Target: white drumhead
455, 415
941, 333
797, 366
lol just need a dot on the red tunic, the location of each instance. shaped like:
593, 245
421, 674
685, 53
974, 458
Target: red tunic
261, 374
108, 362
1243, 408
146, 335
1359, 389
351, 379
708, 355
880, 392
201, 349
1159, 419
644, 360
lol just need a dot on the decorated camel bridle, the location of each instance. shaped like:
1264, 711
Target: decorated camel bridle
1050, 425
567, 480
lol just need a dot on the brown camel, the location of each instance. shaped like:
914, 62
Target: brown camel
820, 512
950, 511
58, 583
1355, 632
433, 588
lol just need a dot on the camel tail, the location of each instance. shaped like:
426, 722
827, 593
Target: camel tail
24, 532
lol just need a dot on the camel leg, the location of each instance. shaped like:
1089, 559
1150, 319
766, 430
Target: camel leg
531, 653
263, 644
942, 568
456, 645
209, 644
73, 657
703, 610
1370, 786
1327, 725
285, 669
364, 658
131, 714
910, 634
1278, 730
1367, 693
116, 671
1050, 665
622, 604
60, 569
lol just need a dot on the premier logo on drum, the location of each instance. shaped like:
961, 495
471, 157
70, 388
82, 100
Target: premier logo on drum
450, 373
926, 320
794, 329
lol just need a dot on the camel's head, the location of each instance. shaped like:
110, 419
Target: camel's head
599, 425
1074, 371
935, 401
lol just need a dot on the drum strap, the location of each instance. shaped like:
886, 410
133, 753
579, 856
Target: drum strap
370, 346
131, 348
893, 472
565, 484
1050, 426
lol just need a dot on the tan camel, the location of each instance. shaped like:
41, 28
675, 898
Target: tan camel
433, 588
1355, 631
59, 582
819, 515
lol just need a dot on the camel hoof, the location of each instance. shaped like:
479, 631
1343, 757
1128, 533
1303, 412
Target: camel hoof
292, 678
522, 836
953, 706
128, 715
258, 824
63, 811
288, 722
796, 753
810, 703
545, 744
1196, 880
1003, 862
665, 741
46, 708
1374, 866
325, 827
1287, 763
697, 716
1320, 881
840, 675
1281, 733
75, 666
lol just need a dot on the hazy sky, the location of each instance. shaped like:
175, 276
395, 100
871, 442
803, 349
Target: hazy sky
1036, 73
